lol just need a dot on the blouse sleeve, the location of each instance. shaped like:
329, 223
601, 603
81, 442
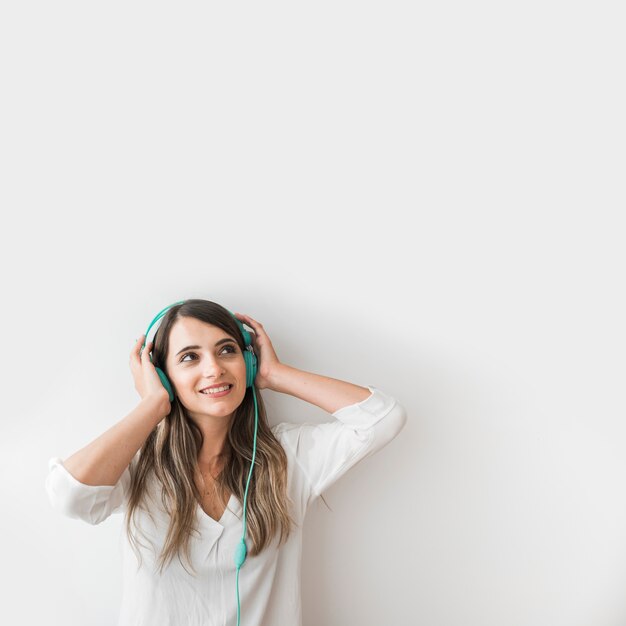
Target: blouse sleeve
90, 503
326, 451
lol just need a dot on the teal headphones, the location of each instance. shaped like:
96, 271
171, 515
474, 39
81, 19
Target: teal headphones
251, 369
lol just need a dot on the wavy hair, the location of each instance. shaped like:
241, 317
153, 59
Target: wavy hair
170, 455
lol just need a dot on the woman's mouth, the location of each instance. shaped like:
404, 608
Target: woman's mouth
217, 392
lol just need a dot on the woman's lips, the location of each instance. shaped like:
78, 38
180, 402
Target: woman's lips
219, 394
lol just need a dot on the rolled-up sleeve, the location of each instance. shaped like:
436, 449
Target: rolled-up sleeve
90, 503
326, 451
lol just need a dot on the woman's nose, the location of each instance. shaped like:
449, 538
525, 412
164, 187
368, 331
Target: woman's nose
211, 366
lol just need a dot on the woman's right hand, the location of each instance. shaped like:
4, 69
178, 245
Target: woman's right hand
147, 381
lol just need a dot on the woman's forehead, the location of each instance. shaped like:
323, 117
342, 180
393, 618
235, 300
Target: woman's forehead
190, 329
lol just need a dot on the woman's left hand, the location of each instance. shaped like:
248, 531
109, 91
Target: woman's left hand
267, 361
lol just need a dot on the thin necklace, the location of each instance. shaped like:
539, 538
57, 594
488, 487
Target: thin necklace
206, 490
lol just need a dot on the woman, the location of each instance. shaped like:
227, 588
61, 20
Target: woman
179, 467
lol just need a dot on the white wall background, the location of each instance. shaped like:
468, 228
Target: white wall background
423, 197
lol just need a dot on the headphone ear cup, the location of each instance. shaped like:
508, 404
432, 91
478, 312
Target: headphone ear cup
251, 366
247, 339
166, 383
248, 356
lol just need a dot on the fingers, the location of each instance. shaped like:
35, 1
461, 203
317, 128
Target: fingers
145, 353
134, 353
251, 322
138, 350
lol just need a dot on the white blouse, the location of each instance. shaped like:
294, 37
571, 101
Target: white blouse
269, 584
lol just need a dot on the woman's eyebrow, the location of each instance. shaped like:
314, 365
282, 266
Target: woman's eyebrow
221, 341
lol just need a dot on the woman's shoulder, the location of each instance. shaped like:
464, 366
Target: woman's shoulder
282, 427
287, 434
289, 431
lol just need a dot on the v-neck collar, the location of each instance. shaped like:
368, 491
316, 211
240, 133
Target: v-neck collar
233, 507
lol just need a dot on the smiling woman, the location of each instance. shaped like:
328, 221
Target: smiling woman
181, 471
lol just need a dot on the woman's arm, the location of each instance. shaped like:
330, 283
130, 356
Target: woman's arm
103, 461
329, 394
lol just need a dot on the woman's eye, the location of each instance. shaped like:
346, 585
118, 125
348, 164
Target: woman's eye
231, 350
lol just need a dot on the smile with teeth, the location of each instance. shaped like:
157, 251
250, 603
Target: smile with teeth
215, 390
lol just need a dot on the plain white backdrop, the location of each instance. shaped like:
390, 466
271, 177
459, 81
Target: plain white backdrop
424, 198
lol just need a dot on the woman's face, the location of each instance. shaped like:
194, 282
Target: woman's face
194, 361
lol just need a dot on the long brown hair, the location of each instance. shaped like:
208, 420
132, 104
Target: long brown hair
170, 454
